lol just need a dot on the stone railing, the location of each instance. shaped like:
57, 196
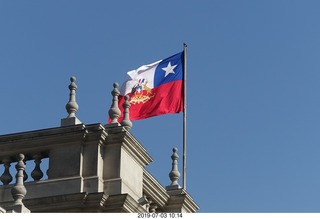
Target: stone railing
34, 171
49, 154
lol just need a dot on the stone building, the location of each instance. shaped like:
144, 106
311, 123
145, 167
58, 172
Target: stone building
89, 168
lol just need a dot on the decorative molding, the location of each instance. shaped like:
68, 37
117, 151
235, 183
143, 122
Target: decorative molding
154, 190
129, 143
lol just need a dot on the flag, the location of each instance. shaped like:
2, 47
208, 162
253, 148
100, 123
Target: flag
155, 89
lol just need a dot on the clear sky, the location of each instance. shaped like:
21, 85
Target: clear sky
253, 121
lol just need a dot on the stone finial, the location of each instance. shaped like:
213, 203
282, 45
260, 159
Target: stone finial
72, 106
114, 111
126, 118
18, 191
174, 174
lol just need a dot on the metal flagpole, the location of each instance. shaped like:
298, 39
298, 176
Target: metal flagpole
185, 117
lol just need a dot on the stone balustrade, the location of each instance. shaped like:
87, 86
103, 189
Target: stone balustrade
36, 171
49, 155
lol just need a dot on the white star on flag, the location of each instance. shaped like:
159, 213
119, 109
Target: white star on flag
169, 69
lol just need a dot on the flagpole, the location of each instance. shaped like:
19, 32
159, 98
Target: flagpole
185, 117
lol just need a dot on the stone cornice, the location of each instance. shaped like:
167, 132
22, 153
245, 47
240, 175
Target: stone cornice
80, 202
96, 132
84, 202
40, 140
22, 136
122, 203
153, 189
129, 143
179, 198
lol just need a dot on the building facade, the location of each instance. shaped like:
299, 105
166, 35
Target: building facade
88, 168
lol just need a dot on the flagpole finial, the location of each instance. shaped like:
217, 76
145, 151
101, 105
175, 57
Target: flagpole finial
174, 174
126, 118
114, 111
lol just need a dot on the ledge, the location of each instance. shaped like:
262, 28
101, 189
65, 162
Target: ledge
153, 189
49, 187
130, 144
39, 141
180, 199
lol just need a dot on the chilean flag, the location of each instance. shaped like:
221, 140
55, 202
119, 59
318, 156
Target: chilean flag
155, 89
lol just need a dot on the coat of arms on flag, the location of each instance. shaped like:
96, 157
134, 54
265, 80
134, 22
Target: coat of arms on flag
141, 93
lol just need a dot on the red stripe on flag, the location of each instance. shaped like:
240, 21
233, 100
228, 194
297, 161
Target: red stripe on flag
168, 98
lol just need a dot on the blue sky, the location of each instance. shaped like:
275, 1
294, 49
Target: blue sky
253, 87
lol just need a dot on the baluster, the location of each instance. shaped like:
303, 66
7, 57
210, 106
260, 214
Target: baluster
6, 177
25, 175
37, 174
